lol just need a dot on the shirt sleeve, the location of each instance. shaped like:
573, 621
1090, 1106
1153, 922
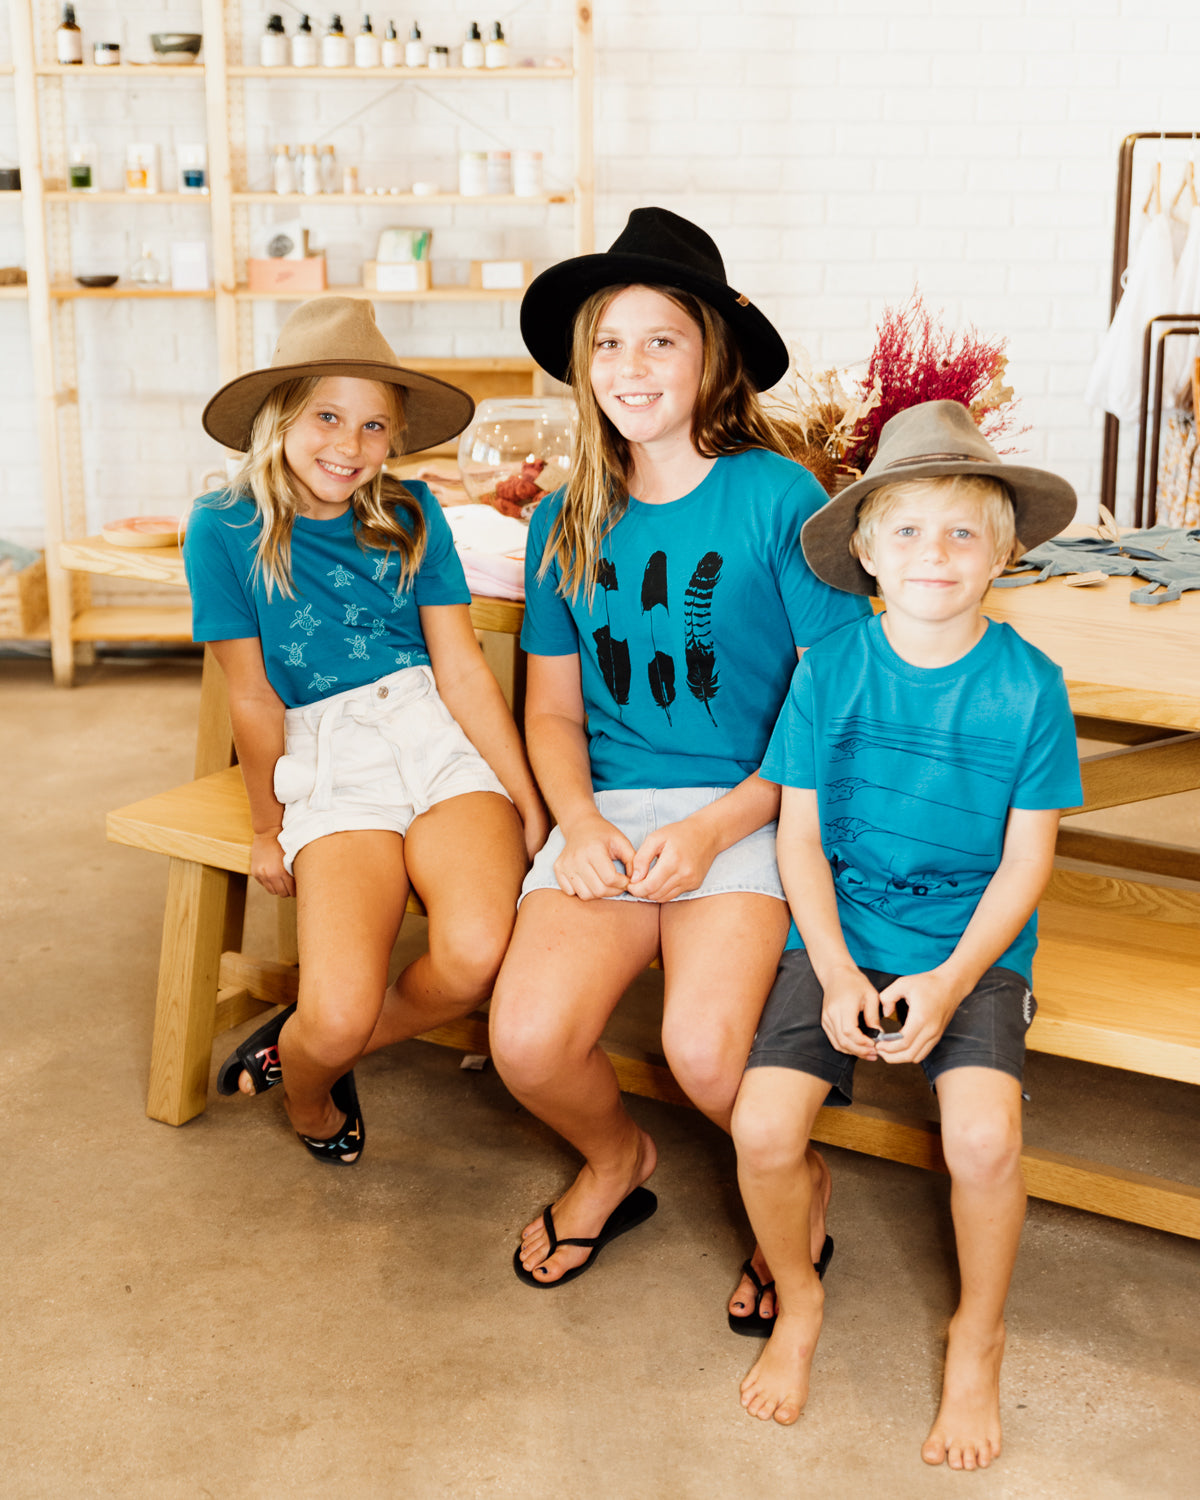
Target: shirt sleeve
222, 604
440, 578
791, 759
1049, 771
549, 629
814, 608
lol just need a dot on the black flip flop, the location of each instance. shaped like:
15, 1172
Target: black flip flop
351, 1138
258, 1055
754, 1324
628, 1214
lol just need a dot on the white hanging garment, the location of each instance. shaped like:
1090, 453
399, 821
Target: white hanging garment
1115, 383
1177, 364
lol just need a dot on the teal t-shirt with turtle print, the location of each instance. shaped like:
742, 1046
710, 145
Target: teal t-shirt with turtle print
688, 645
346, 624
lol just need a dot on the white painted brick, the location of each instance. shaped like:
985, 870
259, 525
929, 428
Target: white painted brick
934, 105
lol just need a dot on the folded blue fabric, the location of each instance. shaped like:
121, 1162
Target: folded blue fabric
1168, 557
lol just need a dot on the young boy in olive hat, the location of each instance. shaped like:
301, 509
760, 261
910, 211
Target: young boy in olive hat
924, 756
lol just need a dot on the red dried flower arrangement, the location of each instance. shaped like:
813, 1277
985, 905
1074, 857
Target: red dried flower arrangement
915, 359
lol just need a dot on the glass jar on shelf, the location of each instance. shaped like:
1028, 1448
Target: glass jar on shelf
147, 269
517, 449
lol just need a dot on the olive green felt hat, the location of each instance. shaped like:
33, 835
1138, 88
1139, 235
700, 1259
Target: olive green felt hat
931, 440
339, 336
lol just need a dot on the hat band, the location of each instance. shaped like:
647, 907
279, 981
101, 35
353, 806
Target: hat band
937, 458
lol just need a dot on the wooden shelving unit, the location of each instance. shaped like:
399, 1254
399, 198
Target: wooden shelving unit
49, 209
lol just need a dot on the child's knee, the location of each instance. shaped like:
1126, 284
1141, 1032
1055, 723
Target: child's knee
333, 1035
528, 1048
467, 958
707, 1064
983, 1148
766, 1144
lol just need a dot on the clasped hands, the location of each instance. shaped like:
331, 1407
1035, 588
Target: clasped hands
671, 860
931, 998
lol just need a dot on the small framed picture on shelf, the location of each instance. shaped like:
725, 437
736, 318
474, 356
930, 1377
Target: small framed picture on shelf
189, 266
397, 275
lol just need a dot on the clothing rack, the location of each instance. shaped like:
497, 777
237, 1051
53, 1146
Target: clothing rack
1120, 262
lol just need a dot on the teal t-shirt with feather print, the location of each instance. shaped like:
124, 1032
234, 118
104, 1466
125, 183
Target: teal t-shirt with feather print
690, 641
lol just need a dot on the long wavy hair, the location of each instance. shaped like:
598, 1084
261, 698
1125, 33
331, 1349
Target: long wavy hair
386, 515
728, 418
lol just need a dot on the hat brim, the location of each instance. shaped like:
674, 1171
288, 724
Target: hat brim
434, 411
552, 299
1043, 504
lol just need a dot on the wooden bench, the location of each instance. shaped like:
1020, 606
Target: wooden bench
1117, 979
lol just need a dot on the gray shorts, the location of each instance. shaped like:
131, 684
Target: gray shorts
986, 1031
749, 865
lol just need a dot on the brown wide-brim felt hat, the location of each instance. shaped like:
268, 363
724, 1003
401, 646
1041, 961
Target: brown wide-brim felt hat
928, 441
656, 248
339, 336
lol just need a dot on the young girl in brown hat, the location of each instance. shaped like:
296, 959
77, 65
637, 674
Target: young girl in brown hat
376, 747
666, 600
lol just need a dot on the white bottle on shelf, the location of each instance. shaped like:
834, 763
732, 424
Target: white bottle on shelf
416, 54
472, 48
335, 46
366, 46
310, 171
495, 54
392, 52
273, 50
305, 52
283, 171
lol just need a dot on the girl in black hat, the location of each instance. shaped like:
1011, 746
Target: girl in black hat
666, 600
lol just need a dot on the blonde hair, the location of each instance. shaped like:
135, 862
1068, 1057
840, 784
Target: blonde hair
728, 418
991, 498
265, 477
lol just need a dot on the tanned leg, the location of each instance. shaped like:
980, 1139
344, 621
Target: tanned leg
981, 1138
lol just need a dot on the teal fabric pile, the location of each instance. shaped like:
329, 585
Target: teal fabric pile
1166, 556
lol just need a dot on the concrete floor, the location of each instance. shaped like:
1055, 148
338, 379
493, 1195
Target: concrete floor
207, 1312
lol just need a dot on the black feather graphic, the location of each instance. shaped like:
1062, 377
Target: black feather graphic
702, 675
613, 657
661, 672
654, 595
606, 574
654, 582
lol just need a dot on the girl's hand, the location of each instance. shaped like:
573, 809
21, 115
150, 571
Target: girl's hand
932, 999
266, 865
536, 822
680, 853
848, 995
585, 867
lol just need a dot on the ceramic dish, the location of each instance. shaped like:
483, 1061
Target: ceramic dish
97, 280
144, 531
175, 46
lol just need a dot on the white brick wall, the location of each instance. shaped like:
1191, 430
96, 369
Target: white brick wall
840, 152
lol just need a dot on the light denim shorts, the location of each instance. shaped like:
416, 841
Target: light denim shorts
374, 756
749, 865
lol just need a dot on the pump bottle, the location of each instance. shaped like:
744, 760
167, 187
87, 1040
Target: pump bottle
335, 46
305, 52
68, 39
472, 48
415, 54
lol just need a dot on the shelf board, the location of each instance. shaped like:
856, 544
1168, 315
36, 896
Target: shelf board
435, 294
377, 199
65, 291
242, 70
92, 554
133, 622
119, 70
68, 195
13, 293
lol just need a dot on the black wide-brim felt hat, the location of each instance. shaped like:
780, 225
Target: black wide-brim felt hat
656, 248
932, 440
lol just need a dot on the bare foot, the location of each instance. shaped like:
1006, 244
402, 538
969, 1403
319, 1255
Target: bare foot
966, 1431
777, 1386
582, 1210
741, 1304
322, 1124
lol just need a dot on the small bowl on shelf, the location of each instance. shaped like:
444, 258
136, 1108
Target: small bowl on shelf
97, 281
175, 46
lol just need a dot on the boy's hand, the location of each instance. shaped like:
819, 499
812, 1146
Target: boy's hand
848, 995
680, 853
585, 868
932, 999
266, 865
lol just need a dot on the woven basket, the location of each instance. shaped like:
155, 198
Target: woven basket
24, 603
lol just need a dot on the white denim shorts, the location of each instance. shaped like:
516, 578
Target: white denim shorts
749, 865
375, 756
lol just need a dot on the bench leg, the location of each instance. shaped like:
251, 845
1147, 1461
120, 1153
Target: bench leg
194, 926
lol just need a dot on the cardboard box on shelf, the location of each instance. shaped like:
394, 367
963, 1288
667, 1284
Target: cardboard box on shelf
397, 276
500, 275
307, 275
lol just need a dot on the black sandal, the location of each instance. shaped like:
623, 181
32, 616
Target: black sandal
258, 1056
754, 1324
344, 1148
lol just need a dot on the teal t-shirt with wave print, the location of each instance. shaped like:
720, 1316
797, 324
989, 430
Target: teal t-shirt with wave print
348, 622
915, 771
689, 643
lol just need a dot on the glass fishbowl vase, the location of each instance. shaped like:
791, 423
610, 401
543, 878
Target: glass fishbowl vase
517, 449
